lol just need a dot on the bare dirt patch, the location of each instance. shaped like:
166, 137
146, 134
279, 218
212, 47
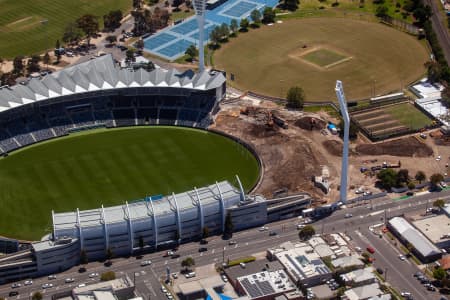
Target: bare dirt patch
409, 146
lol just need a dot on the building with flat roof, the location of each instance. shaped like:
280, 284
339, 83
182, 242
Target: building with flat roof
265, 285
359, 277
363, 292
347, 262
117, 289
303, 265
436, 229
423, 248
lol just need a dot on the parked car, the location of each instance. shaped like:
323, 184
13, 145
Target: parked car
264, 228
370, 250
402, 257
47, 285
92, 275
146, 263
28, 282
202, 249
273, 233
224, 278
82, 285
175, 275
69, 280
13, 293
16, 285
232, 242
348, 215
51, 277
242, 265
380, 271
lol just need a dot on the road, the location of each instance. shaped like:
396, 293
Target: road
253, 241
439, 22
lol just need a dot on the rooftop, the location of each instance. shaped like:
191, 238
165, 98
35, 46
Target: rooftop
364, 292
266, 283
436, 228
359, 275
102, 74
413, 236
347, 261
111, 285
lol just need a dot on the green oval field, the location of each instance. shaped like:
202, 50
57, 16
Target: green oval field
370, 58
110, 167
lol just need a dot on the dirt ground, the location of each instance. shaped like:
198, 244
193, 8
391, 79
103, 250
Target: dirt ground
292, 156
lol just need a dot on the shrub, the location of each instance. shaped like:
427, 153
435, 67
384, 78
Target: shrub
241, 260
109, 275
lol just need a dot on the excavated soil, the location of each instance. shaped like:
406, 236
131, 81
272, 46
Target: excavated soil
310, 123
402, 147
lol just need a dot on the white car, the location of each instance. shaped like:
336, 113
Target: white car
402, 257
348, 215
82, 285
170, 253
358, 249
47, 285
16, 285
438, 158
300, 226
146, 263
69, 280
242, 265
92, 275
163, 289
28, 282
175, 275
264, 228
405, 294
50, 277
224, 278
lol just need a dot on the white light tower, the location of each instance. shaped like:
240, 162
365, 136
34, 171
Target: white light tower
344, 112
199, 6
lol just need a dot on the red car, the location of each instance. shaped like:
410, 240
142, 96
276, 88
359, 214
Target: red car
370, 250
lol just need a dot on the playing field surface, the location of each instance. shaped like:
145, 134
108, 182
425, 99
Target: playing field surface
21, 30
109, 167
370, 58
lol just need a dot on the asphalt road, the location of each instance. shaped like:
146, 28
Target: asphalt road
440, 26
254, 241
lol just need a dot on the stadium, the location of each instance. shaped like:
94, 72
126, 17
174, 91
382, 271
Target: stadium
99, 94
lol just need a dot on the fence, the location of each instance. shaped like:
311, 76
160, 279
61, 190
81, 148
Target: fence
401, 25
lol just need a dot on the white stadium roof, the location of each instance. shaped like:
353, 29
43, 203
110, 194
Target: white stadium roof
102, 74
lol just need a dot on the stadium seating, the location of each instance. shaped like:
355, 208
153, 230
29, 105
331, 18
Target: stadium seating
31, 124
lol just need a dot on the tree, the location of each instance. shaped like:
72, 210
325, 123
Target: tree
229, 227
295, 97
89, 24
111, 39
140, 44
381, 11
72, 33
205, 232
234, 26
435, 179
268, 15
410, 248
353, 130
402, 176
83, 257
422, 13
420, 176
434, 71
306, 232
18, 65
130, 55
224, 31
46, 59
387, 178
57, 52
256, 16
112, 20
150, 66
137, 4
439, 273
439, 203
108, 275
445, 95
244, 25
37, 296
187, 263
215, 36
291, 5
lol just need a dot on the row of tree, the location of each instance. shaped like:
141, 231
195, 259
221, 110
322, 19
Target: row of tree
389, 178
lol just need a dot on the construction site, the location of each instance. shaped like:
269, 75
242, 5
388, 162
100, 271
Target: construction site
297, 147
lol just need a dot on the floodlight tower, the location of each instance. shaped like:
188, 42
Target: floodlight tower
199, 6
344, 112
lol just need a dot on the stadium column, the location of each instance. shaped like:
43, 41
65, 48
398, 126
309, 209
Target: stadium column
241, 188
344, 112
53, 221
105, 228
199, 6
202, 216
155, 225
178, 216
80, 233
222, 207
130, 228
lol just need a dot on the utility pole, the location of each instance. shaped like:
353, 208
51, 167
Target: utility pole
223, 254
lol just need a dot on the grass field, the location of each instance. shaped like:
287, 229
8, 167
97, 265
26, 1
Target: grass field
323, 57
21, 31
109, 167
268, 60
408, 115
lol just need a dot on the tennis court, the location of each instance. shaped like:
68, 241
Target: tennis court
171, 42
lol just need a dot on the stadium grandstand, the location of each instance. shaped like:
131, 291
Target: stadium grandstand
98, 93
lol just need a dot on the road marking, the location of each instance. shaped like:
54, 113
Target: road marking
165, 262
376, 213
235, 246
213, 251
201, 253
246, 244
